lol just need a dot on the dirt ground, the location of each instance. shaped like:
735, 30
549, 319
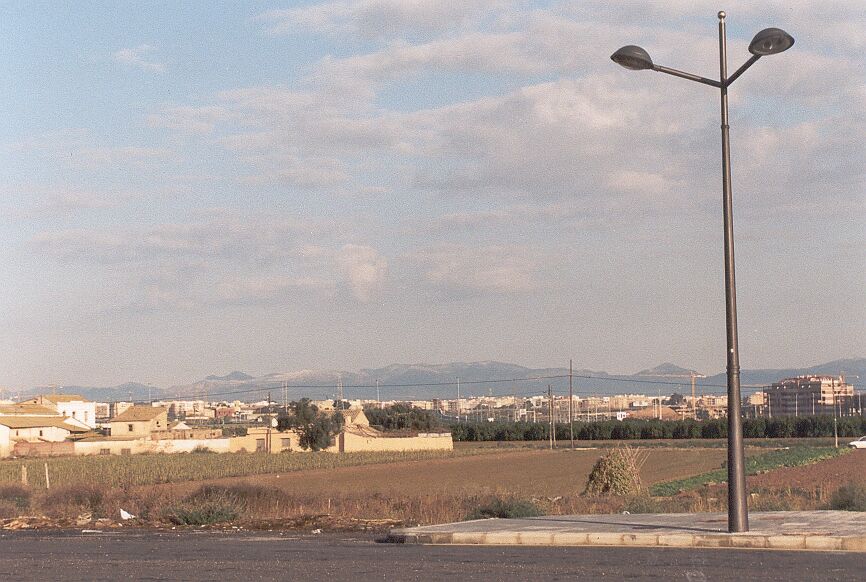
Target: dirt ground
520, 473
828, 475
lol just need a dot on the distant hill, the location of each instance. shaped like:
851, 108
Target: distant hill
666, 369
425, 381
130, 391
231, 377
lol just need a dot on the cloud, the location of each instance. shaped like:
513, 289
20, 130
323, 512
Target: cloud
222, 257
247, 289
189, 119
378, 18
135, 57
64, 202
460, 271
364, 269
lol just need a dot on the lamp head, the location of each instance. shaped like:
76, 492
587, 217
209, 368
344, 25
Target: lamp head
770, 41
632, 57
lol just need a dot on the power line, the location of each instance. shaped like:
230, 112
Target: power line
462, 383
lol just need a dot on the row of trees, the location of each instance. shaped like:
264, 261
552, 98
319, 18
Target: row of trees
401, 417
783, 427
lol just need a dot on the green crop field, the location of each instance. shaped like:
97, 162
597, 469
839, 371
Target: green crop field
789, 457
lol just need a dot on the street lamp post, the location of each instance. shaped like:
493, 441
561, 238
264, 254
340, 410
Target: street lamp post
767, 42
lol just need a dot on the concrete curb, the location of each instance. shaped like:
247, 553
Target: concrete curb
808, 530
608, 539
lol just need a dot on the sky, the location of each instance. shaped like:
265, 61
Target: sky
198, 187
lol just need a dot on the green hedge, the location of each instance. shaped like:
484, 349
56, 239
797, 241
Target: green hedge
784, 427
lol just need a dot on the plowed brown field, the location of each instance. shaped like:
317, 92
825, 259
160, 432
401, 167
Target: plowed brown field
828, 475
521, 473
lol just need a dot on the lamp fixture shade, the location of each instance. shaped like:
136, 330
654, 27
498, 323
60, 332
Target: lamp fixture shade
770, 41
632, 57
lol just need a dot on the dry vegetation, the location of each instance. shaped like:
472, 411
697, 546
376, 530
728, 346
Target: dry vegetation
377, 492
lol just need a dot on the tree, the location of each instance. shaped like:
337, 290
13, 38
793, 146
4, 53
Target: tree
316, 429
676, 399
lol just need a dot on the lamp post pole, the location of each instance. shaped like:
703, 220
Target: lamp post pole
738, 515
767, 42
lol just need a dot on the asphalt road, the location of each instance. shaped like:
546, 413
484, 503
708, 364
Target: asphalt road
147, 555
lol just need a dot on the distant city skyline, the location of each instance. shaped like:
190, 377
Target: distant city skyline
197, 188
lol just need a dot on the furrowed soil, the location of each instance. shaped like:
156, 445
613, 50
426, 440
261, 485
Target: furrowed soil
518, 473
826, 475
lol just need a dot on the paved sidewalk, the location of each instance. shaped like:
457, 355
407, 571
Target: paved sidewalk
781, 530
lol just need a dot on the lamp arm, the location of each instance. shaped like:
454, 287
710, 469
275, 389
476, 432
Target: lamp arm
752, 60
688, 76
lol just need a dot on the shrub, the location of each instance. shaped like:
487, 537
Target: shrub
617, 473
8, 509
201, 449
850, 497
200, 514
505, 509
16, 496
73, 500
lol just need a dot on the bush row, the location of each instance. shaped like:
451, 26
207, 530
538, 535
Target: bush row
783, 427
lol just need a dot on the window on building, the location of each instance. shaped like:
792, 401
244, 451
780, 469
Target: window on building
286, 444
130, 427
260, 446
73, 414
40, 432
125, 451
104, 451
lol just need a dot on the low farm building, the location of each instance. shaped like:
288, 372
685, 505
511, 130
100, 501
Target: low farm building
358, 436
139, 421
20, 433
72, 406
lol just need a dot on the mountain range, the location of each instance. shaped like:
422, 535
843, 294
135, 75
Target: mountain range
426, 381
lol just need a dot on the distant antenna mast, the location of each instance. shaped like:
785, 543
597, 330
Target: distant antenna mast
458, 398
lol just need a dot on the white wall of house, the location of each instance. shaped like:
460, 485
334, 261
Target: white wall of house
5, 441
84, 412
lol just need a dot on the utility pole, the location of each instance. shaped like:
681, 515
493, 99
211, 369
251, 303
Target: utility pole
694, 400
571, 402
378, 399
550, 414
835, 425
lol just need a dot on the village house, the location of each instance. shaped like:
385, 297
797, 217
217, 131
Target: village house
71, 406
22, 435
357, 435
139, 421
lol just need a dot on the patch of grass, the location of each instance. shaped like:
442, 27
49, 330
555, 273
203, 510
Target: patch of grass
505, 508
850, 497
791, 457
